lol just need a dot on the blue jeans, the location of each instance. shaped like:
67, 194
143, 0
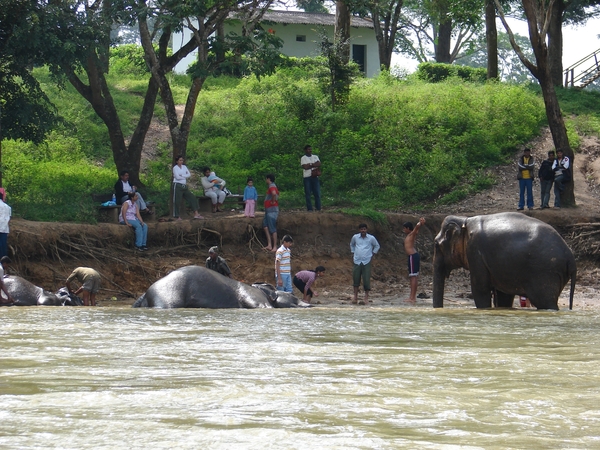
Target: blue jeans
559, 187
141, 232
526, 184
3, 244
312, 186
287, 282
546, 186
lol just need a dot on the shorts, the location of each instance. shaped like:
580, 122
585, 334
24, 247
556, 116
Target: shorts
270, 221
92, 285
414, 265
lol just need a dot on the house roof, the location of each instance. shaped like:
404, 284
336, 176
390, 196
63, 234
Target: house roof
305, 18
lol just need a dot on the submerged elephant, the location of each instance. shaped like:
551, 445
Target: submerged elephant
508, 254
28, 294
199, 287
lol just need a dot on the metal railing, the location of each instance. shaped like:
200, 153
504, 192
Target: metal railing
588, 70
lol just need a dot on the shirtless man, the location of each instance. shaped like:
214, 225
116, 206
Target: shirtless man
414, 259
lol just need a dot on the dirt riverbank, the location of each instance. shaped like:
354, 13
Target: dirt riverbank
45, 253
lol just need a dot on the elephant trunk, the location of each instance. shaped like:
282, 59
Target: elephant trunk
439, 281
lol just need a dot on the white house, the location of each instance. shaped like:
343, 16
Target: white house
299, 32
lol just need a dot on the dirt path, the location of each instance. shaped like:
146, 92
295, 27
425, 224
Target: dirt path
45, 253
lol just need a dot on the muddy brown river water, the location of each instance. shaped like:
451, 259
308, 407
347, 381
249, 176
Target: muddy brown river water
384, 378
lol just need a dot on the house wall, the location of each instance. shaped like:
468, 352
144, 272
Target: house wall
292, 47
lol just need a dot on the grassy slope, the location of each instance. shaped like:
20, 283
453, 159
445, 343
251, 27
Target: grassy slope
395, 143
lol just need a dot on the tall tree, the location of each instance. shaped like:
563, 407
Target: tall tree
510, 67
538, 15
25, 111
74, 40
386, 17
447, 25
566, 12
202, 20
491, 39
342, 28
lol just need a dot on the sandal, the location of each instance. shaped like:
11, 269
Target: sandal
198, 217
147, 211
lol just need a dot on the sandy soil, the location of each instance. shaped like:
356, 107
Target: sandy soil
45, 253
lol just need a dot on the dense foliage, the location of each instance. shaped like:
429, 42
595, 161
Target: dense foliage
394, 144
436, 72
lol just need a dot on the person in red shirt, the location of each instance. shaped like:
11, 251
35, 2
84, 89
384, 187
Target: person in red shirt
271, 213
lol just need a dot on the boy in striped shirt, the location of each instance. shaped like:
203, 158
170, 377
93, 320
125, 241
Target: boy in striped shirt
283, 265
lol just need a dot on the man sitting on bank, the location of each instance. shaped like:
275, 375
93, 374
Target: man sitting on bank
122, 188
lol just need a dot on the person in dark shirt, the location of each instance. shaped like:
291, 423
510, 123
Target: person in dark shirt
546, 175
217, 263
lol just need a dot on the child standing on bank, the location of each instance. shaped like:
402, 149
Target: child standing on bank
250, 197
283, 265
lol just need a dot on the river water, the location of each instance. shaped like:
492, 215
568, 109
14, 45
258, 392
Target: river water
350, 378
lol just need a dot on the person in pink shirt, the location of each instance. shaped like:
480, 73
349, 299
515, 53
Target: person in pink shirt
305, 279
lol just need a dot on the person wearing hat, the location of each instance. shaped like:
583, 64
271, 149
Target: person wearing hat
217, 263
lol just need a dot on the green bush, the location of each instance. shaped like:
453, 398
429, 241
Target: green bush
436, 72
394, 144
52, 182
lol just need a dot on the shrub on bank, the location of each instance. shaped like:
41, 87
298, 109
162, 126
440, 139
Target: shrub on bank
394, 144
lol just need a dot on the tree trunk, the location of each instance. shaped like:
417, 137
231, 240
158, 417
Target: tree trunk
543, 75
555, 43
342, 27
386, 34
99, 97
491, 37
444, 36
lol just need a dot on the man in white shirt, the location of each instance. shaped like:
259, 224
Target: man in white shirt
5, 213
311, 166
363, 246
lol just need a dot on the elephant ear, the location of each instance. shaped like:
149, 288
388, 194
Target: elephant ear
452, 242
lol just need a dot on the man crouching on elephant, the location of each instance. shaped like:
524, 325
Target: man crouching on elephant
90, 284
414, 259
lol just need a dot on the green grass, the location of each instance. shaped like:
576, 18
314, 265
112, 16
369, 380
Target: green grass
396, 144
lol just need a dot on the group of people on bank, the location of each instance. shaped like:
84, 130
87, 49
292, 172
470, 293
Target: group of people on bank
133, 204
363, 246
553, 170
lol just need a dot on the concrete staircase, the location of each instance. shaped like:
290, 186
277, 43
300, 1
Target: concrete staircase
588, 70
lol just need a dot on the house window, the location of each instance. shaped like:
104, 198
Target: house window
300, 38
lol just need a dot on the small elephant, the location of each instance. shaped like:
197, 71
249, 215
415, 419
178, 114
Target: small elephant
280, 299
507, 254
28, 294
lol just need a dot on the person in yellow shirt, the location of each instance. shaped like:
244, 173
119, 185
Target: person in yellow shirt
525, 177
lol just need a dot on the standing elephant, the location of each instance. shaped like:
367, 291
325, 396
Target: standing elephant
199, 287
508, 254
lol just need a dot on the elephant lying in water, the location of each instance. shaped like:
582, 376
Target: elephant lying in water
28, 294
508, 254
199, 287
